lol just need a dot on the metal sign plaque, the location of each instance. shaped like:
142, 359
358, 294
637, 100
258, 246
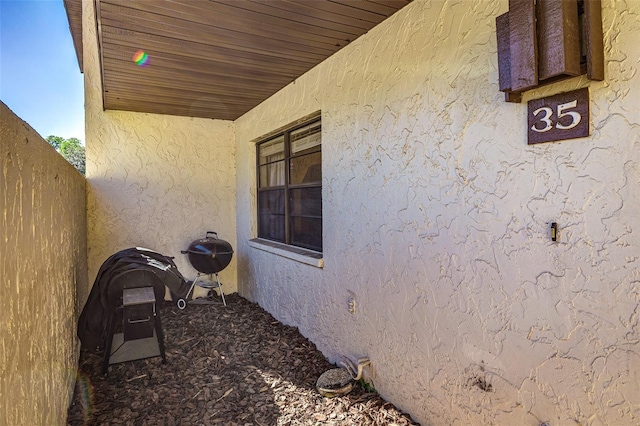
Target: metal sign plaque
558, 117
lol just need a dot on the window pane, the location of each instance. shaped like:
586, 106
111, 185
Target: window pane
271, 228
305, 138
272, 150
290, 186
306, 168
306, 202
271, 202
272, 174
306, 232
271, 217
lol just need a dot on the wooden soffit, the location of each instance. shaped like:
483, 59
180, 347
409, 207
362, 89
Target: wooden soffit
217, 59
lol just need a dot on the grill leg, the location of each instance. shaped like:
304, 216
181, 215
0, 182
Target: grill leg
182, 303
220, 289
159, 334
107, 349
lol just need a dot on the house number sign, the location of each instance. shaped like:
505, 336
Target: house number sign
558, 117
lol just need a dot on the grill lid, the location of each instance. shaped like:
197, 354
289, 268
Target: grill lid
209, 255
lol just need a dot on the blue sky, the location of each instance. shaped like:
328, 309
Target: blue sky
40, 80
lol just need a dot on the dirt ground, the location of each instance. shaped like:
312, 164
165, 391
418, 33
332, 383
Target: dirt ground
233, 365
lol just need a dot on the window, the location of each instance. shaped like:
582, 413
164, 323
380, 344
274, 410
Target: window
290, 186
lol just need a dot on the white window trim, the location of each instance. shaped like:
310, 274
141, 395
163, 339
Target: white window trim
298, 254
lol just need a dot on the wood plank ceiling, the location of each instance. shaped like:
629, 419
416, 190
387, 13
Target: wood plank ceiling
217, 59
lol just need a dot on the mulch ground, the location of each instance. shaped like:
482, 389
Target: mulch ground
233, 365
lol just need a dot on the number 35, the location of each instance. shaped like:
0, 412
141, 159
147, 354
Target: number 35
547, 113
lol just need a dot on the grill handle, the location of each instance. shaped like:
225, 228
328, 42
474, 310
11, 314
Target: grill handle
205, 253
211, 232
193, 252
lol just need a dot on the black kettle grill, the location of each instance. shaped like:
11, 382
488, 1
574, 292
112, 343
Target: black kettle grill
208, 256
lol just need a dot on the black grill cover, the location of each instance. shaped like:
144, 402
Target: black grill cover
130, 268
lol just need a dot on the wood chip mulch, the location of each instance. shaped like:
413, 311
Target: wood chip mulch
233, 365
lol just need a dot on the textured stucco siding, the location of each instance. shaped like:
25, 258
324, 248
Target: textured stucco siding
43, 275
155, 181
436, 219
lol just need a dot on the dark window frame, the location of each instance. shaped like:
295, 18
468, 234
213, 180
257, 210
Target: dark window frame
289, 190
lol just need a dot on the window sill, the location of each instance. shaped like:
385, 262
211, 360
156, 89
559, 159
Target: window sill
298, 254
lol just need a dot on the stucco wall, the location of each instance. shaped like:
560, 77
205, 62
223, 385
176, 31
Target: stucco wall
436, 218
155, 181
43, 275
